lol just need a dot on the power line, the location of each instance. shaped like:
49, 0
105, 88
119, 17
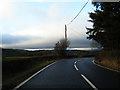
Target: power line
77, 14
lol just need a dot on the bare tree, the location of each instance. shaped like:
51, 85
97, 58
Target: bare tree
61, 47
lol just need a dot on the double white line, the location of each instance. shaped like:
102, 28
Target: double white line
88, 81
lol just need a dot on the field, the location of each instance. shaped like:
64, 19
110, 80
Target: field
17, 65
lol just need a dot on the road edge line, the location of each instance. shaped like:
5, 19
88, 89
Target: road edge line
105, 67
25, 81
88, 81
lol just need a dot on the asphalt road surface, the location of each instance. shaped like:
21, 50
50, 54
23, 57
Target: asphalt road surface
74, 73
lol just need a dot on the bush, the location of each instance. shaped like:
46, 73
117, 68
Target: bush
61, 47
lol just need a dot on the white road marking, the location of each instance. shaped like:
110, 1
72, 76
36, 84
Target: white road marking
18, 86
75, 62
93, 86
104, 67
75, 65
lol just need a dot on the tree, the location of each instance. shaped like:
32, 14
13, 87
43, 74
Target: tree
61, 47
106, 24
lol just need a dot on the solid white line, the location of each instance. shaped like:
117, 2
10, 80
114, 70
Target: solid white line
93, 86
18, 86
104, 67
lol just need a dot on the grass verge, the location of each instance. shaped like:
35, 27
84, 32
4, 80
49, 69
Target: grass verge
109, 59
11, 80
109, 64
16, 57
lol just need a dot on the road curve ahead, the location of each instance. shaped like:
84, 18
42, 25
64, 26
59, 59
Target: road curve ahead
74, 73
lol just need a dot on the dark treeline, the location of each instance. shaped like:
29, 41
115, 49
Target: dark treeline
106, 25
106, 32
21, 52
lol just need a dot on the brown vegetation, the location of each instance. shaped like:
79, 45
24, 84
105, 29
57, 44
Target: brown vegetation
110, 59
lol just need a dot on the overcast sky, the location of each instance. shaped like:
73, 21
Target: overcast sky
40, 24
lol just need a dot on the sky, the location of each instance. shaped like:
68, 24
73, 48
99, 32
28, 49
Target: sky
33, 24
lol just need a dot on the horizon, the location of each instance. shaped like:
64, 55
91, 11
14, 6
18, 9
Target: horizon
37, 49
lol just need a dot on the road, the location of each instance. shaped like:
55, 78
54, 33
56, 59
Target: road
74, 73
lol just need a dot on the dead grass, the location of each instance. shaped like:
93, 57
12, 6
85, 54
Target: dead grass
110, 59
110, 64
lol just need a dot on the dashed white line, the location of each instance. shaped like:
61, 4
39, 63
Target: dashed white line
18, 86
76, 67
93, 86
75, 62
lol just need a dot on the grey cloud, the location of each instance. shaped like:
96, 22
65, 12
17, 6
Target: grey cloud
74, 43
10, 39
79, 43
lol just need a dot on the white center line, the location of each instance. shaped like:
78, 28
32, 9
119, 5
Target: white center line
93, 86
75, 65
75, 62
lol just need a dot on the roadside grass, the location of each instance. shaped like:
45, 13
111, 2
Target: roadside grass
110, 59
113, 64
16, 57
14, 78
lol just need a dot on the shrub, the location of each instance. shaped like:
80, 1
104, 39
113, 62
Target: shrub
61, 47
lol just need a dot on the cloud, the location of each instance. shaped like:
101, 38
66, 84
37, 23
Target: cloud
53, 11
34, 43
82, 43
23, 42
6, 9
46, 43
46, 30
13, 39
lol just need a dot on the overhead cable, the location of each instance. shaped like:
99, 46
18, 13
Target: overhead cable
78, 13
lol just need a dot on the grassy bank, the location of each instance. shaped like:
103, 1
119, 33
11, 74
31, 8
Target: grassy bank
17, 71
110, 59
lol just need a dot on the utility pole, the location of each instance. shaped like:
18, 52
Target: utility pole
65, 32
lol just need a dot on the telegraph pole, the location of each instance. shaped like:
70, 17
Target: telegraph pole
65, 32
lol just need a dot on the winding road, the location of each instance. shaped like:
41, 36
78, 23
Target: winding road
73, 73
